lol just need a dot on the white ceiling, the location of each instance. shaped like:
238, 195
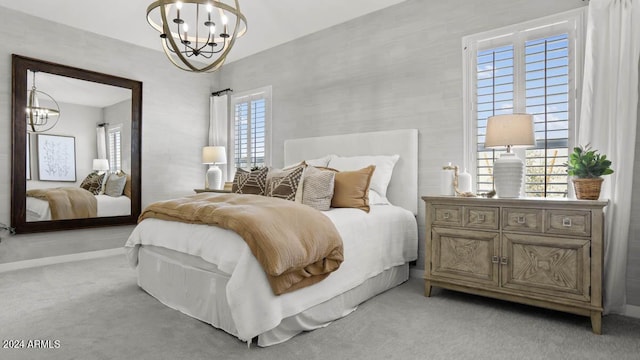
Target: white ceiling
270, 23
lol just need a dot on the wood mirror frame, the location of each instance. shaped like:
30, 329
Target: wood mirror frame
20, 65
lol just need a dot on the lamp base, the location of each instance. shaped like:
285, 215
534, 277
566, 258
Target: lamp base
213, 178
508, 171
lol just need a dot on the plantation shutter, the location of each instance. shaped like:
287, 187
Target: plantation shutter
250, 131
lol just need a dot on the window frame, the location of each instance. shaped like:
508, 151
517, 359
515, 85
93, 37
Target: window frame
573, 22
247, 96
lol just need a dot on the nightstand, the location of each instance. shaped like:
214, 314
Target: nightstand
541, 252
212, 190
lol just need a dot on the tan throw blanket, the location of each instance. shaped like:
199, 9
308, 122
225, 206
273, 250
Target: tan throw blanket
68, 202
296, 245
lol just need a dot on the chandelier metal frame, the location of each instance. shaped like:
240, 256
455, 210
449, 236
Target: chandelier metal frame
38, 116
179, 48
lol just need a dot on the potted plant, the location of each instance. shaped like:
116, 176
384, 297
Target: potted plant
587, 166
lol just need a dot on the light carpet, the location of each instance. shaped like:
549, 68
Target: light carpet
95, 310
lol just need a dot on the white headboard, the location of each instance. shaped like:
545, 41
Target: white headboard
403, 188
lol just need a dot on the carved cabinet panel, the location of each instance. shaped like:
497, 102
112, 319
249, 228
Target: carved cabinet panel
551, 266
465, 255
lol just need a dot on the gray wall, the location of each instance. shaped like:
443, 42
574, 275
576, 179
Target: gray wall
633, 262
397, 68
175, 114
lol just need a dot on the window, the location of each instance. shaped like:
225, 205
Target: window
251, 119
527, 68
114, 144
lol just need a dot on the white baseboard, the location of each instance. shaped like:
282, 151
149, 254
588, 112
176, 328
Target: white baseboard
25, 264
632, 311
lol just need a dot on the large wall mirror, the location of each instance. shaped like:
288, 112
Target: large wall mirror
76, 147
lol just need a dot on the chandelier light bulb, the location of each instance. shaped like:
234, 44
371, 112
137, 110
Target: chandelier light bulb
225, 20
185, 27
209, 7
212, 29
178, 5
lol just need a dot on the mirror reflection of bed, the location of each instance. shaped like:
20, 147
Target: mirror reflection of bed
81, 167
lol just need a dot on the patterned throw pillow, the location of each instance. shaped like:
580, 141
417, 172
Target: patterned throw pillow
93, 183
283, 184
317, 188
254, 182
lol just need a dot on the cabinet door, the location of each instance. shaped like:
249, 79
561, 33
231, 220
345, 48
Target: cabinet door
559, 267
467, 255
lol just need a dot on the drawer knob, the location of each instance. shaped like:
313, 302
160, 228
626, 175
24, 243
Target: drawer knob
480, 217
521, 219
503, 260
566, 222
495, 259
445, 215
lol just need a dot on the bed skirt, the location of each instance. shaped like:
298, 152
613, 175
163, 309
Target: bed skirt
198, 289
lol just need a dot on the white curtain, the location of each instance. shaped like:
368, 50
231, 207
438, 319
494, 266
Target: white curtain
218, 121
608, 122
101, 142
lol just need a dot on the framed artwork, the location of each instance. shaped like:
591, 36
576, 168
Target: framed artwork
28, 156
56, 158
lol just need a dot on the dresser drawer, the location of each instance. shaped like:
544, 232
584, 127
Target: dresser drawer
481, 217
568, 222
447, 215
522, 219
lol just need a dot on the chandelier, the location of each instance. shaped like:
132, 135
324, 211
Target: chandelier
41, 118
197, 35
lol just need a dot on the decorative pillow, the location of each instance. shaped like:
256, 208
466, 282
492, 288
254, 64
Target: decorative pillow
284, 184
115, 185
93, 182
382, 176
318, 188
254, 182
351, 189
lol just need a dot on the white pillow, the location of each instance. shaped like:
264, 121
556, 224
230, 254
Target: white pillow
320, 162
381, 176
377, 199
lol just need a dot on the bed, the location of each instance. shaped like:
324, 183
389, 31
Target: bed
39, 210
210, 274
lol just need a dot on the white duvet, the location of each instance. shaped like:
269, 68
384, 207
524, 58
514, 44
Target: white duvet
385, 237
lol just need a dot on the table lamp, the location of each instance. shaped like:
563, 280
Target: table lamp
214, 155
100, 165
511, 130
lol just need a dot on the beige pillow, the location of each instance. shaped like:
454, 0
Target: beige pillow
115, 185
284, 184
318, 188
254, 182
127, 186
351, 189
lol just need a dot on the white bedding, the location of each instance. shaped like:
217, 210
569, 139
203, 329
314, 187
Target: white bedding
373, 242
38, 210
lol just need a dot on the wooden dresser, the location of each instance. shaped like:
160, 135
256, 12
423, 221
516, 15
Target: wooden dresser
541, 252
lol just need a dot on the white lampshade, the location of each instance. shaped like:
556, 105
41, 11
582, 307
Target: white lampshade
100, 164
214, 155
512, 130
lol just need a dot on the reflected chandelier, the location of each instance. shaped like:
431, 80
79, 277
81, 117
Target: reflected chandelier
41, 118
195, 33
